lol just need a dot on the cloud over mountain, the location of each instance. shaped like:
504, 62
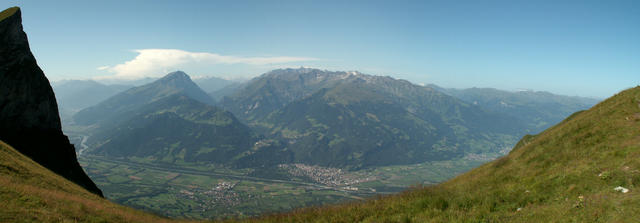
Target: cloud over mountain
155, 62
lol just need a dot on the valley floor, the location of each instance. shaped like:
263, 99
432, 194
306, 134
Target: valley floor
205, 192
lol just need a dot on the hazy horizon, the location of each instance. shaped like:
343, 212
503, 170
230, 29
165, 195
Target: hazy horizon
146, 80
585, 48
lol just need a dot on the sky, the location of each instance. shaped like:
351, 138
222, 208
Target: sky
583, 48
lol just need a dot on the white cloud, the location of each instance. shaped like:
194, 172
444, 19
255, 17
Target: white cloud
157, 62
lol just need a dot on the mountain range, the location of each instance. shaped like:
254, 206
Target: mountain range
584, 169
318, 117
539, 110
336, 119
169, 119
349, 119
211, 84
75, 95
135, 98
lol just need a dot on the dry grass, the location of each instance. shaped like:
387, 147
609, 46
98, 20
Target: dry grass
8, 12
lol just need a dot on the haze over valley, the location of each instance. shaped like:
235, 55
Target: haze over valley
319, 136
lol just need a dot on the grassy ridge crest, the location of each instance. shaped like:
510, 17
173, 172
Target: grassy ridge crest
8, 12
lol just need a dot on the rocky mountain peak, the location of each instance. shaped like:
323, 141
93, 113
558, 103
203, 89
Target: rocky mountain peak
177, 79
181, 82
176, 75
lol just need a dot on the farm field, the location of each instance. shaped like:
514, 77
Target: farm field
204, 192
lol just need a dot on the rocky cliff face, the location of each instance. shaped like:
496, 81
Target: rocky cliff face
29, 119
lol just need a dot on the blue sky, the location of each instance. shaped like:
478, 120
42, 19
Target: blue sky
586, 48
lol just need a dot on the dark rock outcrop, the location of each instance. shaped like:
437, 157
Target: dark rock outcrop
29, 119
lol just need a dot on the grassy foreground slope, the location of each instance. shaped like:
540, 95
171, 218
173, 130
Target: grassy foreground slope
32, 193
565, 174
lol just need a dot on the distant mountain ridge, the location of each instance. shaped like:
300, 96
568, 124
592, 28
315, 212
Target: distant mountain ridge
342, 119
274, 89
326, 118
29, 118
211, 84
538, 109
169, 120
75, 95
134, 98
349, 119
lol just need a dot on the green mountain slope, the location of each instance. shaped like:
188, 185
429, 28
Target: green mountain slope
567, 173
32, 193
165, 121
135, 98
275, 89
362, 124
539, 110
227, 90
175, 128
348, 119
